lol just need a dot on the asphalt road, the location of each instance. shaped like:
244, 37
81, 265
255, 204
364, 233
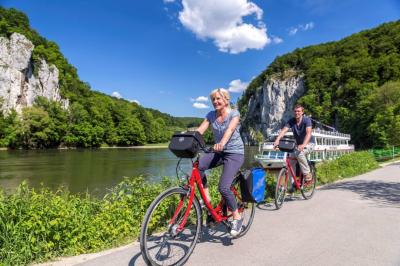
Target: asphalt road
351, 222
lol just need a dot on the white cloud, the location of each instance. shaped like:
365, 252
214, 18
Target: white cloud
202, 99
277, 40
200, 105
222, 21
293, 31
116, 94
308, 26
135, 101
169, 1
237, 86
199, 99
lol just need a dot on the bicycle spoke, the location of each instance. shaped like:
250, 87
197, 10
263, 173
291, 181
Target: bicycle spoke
163, 242
308, 187
246, 209
280, 189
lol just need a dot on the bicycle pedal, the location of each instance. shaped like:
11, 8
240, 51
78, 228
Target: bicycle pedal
210, 222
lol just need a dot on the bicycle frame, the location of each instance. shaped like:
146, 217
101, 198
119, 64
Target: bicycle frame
193, 181
297, 183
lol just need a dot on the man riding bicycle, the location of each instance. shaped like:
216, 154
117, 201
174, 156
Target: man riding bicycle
301, 127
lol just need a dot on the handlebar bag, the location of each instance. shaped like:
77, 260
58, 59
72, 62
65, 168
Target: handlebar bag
186, 144
287, 145
252, 185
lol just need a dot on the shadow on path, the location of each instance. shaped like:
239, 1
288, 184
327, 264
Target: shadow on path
383, 194
216, 234
132, 262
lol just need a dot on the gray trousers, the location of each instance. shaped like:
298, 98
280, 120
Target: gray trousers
232, 163
302, 158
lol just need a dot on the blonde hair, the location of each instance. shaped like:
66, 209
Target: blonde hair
223, 92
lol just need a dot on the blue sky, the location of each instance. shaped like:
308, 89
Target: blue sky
169, 54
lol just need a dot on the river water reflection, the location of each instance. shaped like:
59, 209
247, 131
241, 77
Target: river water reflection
88, 170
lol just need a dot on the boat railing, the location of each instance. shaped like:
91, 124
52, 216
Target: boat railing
331, 133
324, 132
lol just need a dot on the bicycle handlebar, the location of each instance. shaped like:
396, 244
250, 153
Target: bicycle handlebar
208, 149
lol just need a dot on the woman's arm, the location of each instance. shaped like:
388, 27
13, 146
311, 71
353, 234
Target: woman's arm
228, 133
203, 127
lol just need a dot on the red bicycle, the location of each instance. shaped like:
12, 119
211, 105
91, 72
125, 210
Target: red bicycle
173, 222
298, 182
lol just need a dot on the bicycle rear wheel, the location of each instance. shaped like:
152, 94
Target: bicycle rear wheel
246, 209
162, 242
307, 187
280, 189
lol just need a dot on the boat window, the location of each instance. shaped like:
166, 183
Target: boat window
276, 154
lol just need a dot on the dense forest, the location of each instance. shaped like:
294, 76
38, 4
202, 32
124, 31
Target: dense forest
93, 118
352, 84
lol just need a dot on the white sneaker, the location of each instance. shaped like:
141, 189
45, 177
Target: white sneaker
236, 227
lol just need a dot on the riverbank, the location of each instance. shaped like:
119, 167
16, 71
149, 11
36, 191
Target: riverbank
150, 146
138, 147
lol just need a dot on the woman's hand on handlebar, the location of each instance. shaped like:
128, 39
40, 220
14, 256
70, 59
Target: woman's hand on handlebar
218, 147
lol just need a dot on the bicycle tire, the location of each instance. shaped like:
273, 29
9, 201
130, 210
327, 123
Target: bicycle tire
307, 188
163, 228
280, 189
246, 209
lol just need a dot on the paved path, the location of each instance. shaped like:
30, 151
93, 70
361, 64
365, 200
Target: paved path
352, 222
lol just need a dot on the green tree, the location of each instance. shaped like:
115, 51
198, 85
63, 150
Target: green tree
130, 131
36, 129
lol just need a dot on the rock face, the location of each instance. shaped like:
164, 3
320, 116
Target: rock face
18, 85
271, 106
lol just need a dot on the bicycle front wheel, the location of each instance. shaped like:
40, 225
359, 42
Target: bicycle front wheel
246, 209
308, 187
280, 189
162, 240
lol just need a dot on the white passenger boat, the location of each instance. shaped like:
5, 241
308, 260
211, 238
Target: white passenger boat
328, 145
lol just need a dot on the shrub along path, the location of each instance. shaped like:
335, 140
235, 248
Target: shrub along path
350, 222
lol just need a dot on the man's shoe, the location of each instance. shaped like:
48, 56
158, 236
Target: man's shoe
236, 227
308, 177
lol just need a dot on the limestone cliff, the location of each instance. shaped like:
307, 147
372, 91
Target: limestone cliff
271, 105
19, 86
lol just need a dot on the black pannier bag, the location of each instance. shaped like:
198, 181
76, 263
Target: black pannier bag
186, 144
287, 145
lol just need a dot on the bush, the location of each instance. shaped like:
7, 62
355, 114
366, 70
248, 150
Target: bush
40, 225
348, 165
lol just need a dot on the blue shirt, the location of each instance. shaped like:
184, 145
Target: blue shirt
235, 143
299, 131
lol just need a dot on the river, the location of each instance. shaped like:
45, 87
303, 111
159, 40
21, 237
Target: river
92, 170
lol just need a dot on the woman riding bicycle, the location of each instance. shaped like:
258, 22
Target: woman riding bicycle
229, 149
